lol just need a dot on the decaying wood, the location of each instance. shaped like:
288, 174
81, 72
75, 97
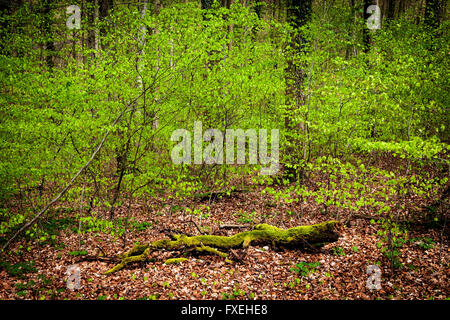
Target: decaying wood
310, 236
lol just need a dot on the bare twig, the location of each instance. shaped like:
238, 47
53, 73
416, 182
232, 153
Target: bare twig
196, 225
234, 226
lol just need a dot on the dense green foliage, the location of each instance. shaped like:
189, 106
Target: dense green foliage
361, 98
53, 118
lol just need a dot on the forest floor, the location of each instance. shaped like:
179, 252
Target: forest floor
336, 271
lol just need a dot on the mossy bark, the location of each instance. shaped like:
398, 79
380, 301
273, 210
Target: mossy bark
175, 260
298, 237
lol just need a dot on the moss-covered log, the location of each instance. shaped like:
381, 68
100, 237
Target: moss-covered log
263, 234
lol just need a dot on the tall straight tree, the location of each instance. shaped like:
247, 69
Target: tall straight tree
298, 14
433, 12
366, 34
206, 4
47, 22
103, 11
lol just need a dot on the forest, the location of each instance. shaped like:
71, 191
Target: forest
224, 150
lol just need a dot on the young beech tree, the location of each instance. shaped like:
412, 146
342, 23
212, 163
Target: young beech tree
176, 66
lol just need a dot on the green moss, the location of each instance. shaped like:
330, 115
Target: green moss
314, 236
264, 233
211, 250
175, 260
129, 258
137, 249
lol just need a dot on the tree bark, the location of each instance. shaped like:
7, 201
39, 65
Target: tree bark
433, 13
366, 35
298, 14
49, 45
310, 236
103, 11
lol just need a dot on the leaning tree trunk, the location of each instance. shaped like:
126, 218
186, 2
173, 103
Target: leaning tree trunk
298, 237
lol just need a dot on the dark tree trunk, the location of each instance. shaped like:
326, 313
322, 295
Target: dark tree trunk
103, 11
390, 9
433, 13
5, 9
298, 14
91, 21
207, 4
258, 8
49, 45
104, 7
366, 35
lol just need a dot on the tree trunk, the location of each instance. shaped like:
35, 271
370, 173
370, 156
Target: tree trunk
311, 236
433, 13
298, 14
92, 40
49, 45
366, 35
104, 7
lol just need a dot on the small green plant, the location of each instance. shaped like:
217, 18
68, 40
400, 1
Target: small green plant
18, 269
305, 268
23, 288
44, 232
78, 253
95, 224
22, 293
132, 224
338, 251
10, 222
238, 292
245, 217
143, 226
411, 267
392, 238
150, 297
425, 243
227, 296
45, 281
176, 208
199, 212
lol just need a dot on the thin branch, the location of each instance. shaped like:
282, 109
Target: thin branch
63, 191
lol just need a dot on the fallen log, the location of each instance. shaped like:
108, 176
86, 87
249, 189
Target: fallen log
308, 236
